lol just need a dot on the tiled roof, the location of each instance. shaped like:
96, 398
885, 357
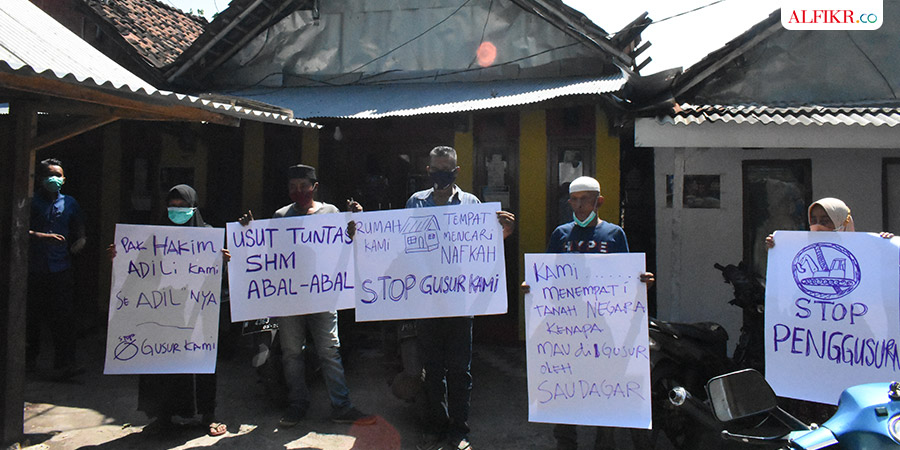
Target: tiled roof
159, 32
874, 115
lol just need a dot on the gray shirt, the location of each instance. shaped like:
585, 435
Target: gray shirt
290, 211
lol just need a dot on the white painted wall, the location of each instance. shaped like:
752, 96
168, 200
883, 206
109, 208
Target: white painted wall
689, 241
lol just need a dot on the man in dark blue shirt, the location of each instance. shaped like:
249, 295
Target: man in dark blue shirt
57, 232
586, 233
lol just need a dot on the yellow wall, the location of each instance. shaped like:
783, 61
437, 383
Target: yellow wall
254, 142
532, 219
309, 153
464, 143
607, 169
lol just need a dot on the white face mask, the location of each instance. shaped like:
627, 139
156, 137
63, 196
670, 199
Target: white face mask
585, 222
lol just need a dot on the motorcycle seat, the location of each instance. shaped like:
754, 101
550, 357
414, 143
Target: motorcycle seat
709, 332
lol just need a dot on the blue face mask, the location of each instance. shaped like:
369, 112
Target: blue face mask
180, 215
585, 222
53, 184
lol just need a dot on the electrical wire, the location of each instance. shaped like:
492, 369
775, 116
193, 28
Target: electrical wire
850, 36
483, 30
667, 18
407, 42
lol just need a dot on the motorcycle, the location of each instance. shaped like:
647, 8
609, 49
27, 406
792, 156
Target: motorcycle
687, 355
868, 415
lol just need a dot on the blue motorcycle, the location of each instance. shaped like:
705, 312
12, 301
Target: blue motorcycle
868, 415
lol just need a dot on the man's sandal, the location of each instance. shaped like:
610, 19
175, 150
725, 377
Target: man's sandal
217, 429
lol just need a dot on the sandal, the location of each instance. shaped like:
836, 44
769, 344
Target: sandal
217, 429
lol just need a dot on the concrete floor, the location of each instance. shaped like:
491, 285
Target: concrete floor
99, 411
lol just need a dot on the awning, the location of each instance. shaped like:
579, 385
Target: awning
412, 99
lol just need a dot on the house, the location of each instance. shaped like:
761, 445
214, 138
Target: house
521, 88
757, 131
421, 234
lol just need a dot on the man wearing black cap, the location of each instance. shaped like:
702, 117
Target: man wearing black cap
292, 330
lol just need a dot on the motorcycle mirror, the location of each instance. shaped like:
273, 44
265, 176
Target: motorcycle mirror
740, 394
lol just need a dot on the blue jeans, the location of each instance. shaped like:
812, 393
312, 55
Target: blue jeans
323, 329
446, 349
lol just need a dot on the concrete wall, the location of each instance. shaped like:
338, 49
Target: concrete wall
689, 241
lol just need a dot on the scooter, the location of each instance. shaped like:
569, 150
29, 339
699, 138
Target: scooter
868, 415
687, 355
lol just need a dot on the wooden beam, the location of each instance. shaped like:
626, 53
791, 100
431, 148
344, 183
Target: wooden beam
71, 130
61, 106
164, 107
16, 186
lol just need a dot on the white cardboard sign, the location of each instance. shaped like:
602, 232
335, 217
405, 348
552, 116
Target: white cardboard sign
832, 313
587, 343
290, 266
441, 261
164, 301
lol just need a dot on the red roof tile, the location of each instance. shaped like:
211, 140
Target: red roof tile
159, 32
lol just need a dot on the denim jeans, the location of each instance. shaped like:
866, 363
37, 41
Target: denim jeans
324, 331
446, 349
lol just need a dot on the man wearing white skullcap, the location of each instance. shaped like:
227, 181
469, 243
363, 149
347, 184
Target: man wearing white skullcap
586, 233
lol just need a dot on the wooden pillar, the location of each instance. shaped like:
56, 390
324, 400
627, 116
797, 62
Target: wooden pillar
16, 187
111, 205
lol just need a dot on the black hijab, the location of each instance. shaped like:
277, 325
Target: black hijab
189, 195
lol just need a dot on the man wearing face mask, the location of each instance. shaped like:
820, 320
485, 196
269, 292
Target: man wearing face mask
57, 232
446, 342
587, 233
292, 330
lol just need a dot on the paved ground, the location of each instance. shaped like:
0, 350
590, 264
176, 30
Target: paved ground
98, 411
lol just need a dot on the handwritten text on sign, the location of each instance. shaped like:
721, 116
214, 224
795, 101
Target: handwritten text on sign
832, 313
588, 354
289, 266
164, 301
441, 261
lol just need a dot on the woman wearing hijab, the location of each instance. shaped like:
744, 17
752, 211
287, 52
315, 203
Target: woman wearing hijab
828, 214
163, 396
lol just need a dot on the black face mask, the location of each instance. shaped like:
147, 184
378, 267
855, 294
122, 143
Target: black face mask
442, 179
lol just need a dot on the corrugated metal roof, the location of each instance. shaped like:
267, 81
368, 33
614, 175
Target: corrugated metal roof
33, 44
28, 36
796, 115
392, 100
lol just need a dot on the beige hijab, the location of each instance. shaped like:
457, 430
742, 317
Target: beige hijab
837, 211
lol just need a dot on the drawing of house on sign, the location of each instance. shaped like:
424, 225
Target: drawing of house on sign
421, 234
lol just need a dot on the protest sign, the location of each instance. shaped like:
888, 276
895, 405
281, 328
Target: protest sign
290, 266
441, 261
164, 301
587, 343
832, 313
